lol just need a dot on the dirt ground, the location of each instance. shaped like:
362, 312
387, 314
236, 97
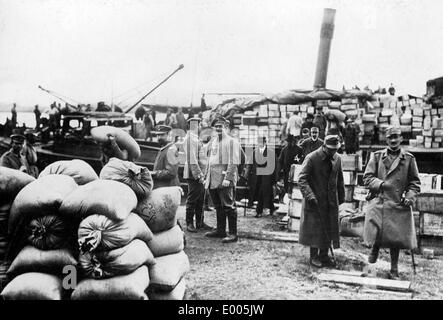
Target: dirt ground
277, 270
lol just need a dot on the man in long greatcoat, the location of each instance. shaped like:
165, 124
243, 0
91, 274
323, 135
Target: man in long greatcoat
392, 178
321, 183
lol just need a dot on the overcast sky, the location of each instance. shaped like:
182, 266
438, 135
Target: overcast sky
92, 50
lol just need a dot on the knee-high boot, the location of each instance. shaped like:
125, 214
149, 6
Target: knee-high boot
232, 223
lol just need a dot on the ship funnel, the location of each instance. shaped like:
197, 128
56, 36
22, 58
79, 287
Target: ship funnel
327, 31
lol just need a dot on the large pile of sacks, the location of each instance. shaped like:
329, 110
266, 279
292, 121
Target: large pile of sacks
100, 225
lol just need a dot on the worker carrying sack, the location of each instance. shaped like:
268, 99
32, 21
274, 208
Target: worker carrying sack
167, 242
11, 182
112, 199
41, 197
79, 170
98, 233
136, 177
49, 232
168, 270
34, 286
127, 287
159, 209
31, 259
106, 264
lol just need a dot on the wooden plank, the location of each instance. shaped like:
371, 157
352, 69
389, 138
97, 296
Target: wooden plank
346, 273
403, 295
375, 283
269, 236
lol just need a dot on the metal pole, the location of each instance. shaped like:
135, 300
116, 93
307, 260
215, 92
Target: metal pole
176, 70
326, 33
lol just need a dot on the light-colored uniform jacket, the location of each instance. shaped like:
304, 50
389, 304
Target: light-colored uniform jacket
223, 161
195, 157
387, 222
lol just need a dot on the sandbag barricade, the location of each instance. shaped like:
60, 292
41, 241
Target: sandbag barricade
97, 232
167, 242
79, 170
40, 197
123, 139
34, 286
136, 177
167, 271
34, 217
112, 199
121, 261
127, 287
159, 209
11, 183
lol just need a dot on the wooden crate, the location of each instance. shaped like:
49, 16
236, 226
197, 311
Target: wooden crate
294, 208
360, 193
431, 224
431, 242
351, 162
430, 202
294, 224
296, 194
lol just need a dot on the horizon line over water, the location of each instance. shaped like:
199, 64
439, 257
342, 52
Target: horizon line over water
28, 118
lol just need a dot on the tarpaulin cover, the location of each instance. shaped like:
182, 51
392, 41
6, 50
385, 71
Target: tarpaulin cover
241, 104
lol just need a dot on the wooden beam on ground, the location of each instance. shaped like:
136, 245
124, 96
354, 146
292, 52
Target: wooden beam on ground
404, 295
345, 273
270, 236
374, 283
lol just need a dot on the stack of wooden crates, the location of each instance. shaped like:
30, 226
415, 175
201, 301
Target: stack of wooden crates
352, 167
430, 206
295, 200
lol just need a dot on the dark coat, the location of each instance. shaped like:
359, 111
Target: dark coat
261, 185
310, 145
289, 155
326, 185
166, 164
387, 222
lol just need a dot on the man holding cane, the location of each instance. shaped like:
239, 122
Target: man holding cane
321, 183
392, 178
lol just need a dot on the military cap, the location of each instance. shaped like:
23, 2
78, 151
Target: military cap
332, 141
194, 119
221, 120
392, 130
17, 137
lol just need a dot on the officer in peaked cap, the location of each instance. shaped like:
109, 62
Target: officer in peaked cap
391, 176
221, 178
220, 121
165, 172
321, 183
13, 158
193, 172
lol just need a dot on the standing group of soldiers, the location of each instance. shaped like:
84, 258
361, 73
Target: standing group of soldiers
391, 176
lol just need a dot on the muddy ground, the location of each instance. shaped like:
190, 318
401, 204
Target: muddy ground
262, 269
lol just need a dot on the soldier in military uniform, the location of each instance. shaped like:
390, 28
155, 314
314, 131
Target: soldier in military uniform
221, 178
165, 172
193, 172
14, 158
392, 178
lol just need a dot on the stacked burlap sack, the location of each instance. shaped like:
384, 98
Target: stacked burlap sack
101, 226
159, 211
11, 182
43, 239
